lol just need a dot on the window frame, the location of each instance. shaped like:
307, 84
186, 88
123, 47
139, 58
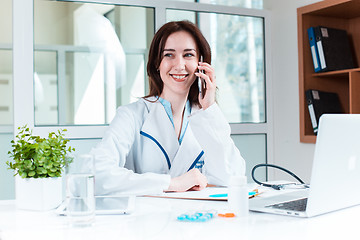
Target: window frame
23, 65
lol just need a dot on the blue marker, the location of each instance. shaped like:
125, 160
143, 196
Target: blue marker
225, 194
218, 195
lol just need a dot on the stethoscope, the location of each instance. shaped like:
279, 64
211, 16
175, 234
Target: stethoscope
278, 186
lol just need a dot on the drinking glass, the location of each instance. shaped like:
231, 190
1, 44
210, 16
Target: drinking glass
80, 188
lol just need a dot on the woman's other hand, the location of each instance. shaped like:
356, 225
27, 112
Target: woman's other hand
209, 77
192, 180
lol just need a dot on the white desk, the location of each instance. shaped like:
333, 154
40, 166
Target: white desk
155, 218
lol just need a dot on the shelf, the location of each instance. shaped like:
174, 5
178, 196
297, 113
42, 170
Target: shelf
337, 74
341, 14
346, 9
308, 139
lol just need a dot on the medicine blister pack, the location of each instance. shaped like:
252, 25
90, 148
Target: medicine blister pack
201, 216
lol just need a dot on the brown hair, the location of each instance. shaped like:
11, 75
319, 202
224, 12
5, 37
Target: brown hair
155, 56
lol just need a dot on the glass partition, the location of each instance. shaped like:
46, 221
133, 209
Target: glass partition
6, 106
253, 150
258, 4
238, 53
46, 87
179, 15
238, 3
88, 60
7, 181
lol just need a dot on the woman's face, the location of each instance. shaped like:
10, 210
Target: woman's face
179, 63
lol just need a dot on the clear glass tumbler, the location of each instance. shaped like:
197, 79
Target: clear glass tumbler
80, 191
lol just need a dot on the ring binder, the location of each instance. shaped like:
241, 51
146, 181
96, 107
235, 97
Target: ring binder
330, 49
314, 50
320, 102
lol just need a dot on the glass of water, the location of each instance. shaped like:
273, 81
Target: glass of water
80, 191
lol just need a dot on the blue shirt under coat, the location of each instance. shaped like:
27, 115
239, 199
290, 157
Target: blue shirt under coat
185, 121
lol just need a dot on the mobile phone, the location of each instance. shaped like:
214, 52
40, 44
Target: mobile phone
201, 83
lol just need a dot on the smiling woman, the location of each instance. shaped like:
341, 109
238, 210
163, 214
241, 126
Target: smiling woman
172, 139
178, 65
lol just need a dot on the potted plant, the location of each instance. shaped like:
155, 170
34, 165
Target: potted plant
39, 163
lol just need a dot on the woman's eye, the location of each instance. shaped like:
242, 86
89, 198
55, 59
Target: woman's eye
168, 55
189, 55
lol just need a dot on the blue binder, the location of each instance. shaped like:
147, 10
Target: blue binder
314, 50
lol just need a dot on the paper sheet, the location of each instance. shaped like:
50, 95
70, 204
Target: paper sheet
196, 195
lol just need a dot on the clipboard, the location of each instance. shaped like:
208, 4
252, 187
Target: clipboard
204, 194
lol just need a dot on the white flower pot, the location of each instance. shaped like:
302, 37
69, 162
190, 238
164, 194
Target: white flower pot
38, 194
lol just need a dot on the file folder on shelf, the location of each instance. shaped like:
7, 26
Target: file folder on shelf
314, 50
320, 102
332, 49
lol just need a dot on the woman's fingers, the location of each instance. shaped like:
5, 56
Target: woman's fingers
207, 73
208, 70
193, 179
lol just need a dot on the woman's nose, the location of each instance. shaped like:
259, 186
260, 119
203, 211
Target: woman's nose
179, 63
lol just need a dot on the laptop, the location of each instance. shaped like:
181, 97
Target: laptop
335, 173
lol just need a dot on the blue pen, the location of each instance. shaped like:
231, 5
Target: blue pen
219, 195
252, 193
225, 194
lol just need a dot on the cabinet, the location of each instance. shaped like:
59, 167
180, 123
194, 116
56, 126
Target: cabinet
341, 14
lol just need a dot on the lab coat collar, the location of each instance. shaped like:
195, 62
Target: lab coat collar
158, 127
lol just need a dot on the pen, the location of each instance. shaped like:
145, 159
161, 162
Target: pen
252, 193
218, 195
257, 194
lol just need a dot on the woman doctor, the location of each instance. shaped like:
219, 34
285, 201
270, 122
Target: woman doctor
174, 139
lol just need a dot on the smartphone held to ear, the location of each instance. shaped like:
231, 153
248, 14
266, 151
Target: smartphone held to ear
201, 82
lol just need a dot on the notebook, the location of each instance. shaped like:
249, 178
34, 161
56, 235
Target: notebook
335, 173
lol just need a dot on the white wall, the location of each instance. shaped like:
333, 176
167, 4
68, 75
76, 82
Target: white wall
57, 29
288, 151
5, 24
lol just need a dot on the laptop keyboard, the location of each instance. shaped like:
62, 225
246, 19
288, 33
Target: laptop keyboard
296, 205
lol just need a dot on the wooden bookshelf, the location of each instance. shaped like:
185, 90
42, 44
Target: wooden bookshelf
341, 14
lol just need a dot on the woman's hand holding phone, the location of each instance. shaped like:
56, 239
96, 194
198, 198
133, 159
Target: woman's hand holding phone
207, 74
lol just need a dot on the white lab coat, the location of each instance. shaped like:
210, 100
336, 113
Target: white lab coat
140, 151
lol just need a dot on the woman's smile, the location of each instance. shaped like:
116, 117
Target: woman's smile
179, 77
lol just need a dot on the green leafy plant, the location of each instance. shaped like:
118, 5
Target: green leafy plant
36, 157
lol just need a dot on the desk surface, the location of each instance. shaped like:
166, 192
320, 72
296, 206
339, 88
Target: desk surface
155, 218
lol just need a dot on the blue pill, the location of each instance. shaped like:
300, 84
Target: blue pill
182, 217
